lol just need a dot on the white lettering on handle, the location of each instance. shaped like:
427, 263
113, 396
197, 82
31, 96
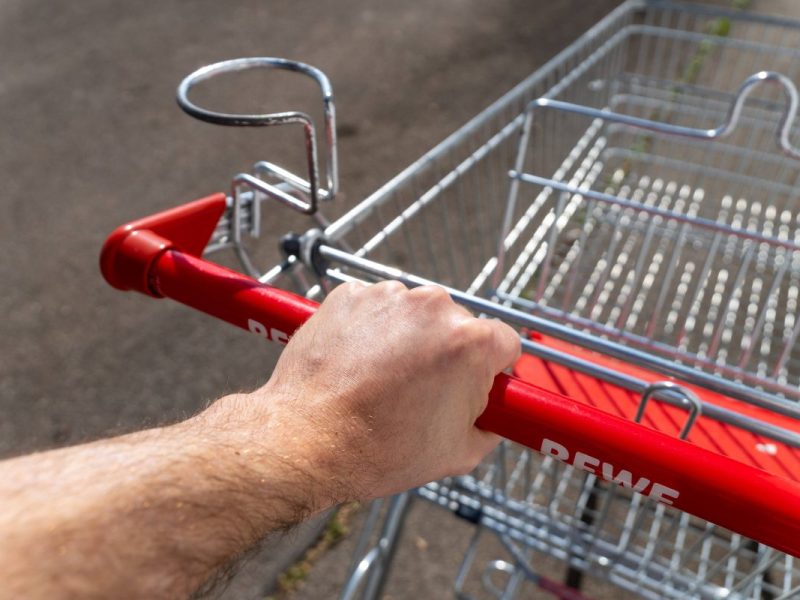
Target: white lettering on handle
663, 494
659, 492
585, 462
257, 328
551, 448
624, 478
275, 335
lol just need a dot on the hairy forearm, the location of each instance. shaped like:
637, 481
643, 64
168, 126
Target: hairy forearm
383, 404
151, 514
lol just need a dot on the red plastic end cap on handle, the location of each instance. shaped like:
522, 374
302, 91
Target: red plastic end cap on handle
127, 257
131, 249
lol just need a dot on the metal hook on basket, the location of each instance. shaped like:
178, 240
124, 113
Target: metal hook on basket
687, 397
292, 189
730, 123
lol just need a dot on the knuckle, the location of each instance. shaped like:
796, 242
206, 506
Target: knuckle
390, 286
482, 331
470, 334
461, 336
508, 339
507, 330
341, 294
432, 294
349, 288
471, 344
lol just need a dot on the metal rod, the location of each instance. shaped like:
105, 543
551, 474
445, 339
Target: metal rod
636, 357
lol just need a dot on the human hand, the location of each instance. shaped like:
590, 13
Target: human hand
380, 390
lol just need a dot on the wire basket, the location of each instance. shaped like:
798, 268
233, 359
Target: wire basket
633, 208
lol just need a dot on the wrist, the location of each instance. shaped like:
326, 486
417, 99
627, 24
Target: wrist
312, 427
267, 454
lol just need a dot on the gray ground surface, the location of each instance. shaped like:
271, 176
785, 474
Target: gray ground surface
92, 138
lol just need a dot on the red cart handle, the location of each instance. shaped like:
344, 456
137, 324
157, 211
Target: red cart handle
161, 256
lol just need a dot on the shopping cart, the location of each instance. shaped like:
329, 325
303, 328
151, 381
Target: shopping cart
632, 207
